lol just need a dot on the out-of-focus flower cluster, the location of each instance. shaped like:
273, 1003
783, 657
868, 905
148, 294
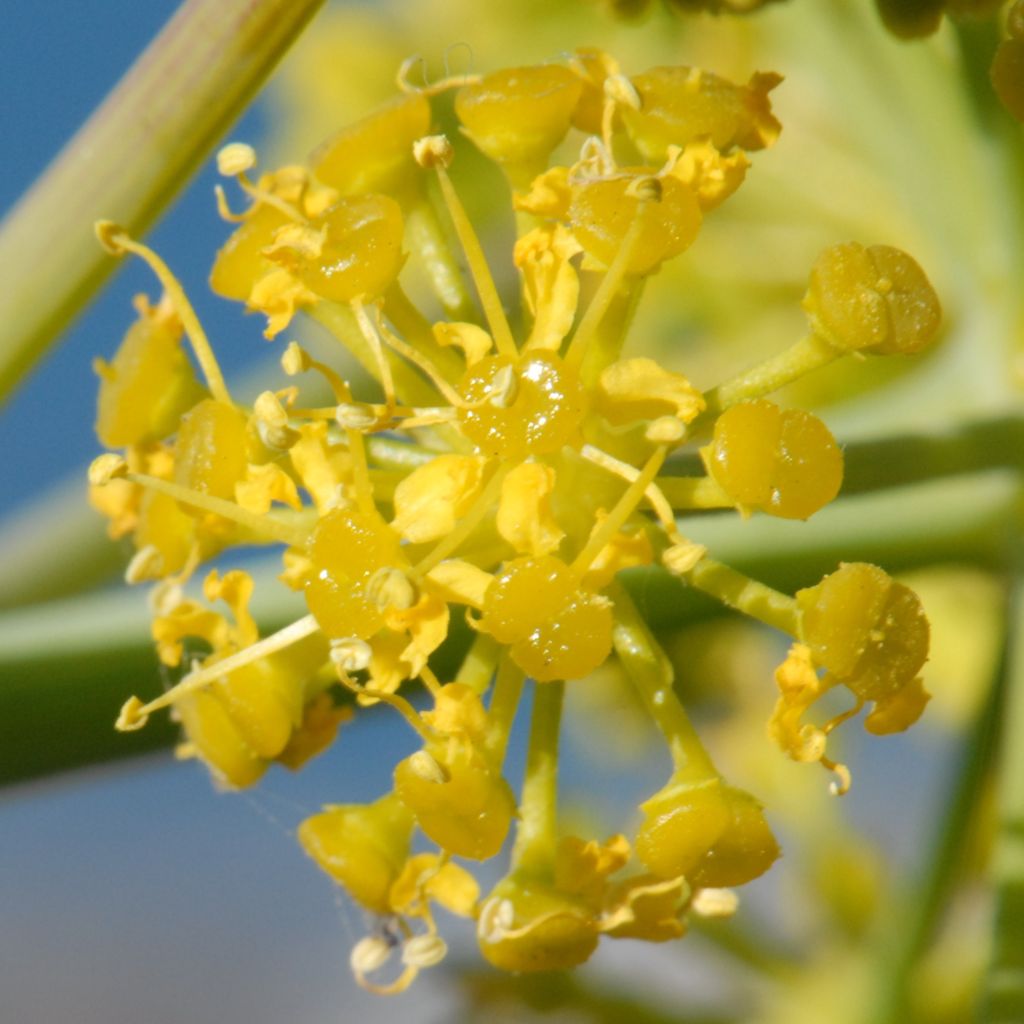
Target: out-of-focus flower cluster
506, 469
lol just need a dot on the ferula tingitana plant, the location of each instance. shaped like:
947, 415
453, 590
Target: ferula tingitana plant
507, 470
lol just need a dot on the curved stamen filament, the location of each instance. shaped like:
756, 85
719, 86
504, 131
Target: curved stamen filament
400, 704
262, 196
478, 268
265, 526
118, 241
606, 290
407, 351
372, 337
134, 714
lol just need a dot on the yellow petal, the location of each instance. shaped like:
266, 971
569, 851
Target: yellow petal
323, 468
551, 285
623, 551
711, 176
458, 711
187, 618
582, 866
646, 908
460, 582
235, 589
549, 195
524, 511
433, 497
266, 484
640, 389
426, 622
474, 341
278, 294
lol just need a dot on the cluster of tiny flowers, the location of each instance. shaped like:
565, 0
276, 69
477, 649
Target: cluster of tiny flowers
506, 472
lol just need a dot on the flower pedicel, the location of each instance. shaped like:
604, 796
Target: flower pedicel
508, 470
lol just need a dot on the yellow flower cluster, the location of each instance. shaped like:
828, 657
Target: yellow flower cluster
506, 471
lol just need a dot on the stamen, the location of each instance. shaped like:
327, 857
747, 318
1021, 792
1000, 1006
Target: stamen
840, 785
430, 681
262, 196
400, 704
473, 251
607, 289
373, 340
116, 240
467, 524
224, 211
620, 512
659, 503
429, 88
422, 362
266, 526
134, 713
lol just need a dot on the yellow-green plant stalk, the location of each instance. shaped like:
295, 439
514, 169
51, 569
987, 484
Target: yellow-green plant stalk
130, 159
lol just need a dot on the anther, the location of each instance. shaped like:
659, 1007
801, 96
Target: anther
715, 902
105, 468
426, 767
369, 955
355, 416
295, 360
132, 717
391, 588
147, 564
433, 151
235, 158
350, 654
504, 388
619, 89
681, 558
647, 189
424, 951
272, 422
665, 430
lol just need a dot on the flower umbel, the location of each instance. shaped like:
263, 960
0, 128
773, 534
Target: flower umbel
506, 470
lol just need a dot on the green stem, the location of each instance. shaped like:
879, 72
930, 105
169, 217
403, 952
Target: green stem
130, 159
477, 668
508, 688
537, 835
738, 591
651, 673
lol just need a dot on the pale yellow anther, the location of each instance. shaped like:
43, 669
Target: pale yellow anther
350, 654
504, 388
715, 902
496, 920
355, 416
147, 564
619, 89
295, 360
105, 468
235, 158
840, 785
272, 422
299, 239
111, 236
165, 597
424, 951
648, 189
132, 716
665, 430
433, 151
391, 588
426, 767
369, 955
681, 558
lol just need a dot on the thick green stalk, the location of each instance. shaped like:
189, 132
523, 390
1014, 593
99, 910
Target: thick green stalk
130, 159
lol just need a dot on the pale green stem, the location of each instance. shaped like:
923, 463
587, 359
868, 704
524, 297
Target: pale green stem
651, 673
606, 342
130, 159
806, 355
749, 596
508, 688
537, 835
477, 668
